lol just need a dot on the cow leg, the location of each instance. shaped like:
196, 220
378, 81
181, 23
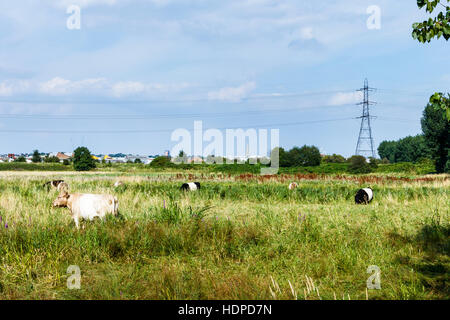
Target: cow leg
77, 223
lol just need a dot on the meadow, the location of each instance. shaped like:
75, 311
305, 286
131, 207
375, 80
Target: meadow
242, 236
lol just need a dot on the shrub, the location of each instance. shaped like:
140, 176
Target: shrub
374, 162
335, 158
53, 159
359, 165
20, 159
161, 162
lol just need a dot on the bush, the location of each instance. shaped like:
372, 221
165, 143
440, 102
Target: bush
359, 165
53, 159
335, 158
82, 159
374, 162
20, 159
161, 162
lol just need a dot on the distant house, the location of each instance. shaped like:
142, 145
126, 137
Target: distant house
62, 156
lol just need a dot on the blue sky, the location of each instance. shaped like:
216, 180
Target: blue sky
172, 57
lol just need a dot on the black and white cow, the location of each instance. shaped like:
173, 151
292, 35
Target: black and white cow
364, 196
53, 184
190, 186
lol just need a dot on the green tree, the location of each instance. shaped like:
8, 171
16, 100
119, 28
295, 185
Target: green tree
358, 165
137, 160
305, 156
436, 27
436, 132
284, 160
412, 149
386, 150
82, 159
440, 101
36, 157
408, 149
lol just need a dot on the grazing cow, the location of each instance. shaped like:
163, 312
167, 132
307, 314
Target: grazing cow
293, 185
87, 206
53, 184
62, 187
191, 186
364, 196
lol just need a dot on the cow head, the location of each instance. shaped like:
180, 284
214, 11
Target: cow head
62, 199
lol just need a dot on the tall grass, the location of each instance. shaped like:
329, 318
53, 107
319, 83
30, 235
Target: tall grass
233, 239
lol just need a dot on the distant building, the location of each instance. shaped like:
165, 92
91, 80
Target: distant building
144, 159
61, 156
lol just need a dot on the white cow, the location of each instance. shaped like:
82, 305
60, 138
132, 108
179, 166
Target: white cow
293, 185
87, 206
118, 184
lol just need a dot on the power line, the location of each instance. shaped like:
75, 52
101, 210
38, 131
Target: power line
168, 130
162, 101
155, 116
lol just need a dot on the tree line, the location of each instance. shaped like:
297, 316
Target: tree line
433, 143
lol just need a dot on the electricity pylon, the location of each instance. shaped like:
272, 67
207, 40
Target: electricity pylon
365, 146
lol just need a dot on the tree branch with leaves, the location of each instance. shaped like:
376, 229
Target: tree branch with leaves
427, 30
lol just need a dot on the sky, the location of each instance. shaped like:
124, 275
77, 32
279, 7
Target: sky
136, 70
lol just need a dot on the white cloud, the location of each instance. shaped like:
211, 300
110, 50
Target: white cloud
60, 86
232, 94
9, 88
126, 88
343, 98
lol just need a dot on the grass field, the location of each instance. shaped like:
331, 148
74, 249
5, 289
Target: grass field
239, 237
